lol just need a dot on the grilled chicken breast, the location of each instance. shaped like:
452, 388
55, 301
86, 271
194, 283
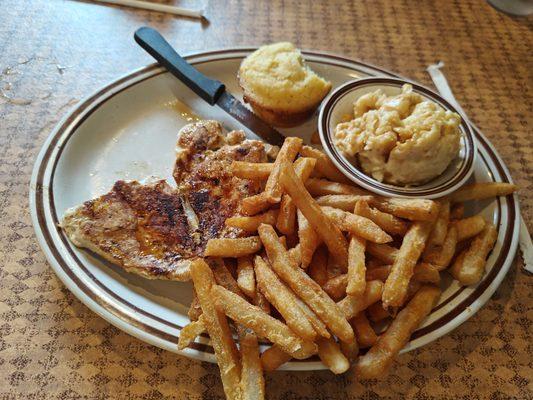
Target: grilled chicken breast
142, 228
155, 230
202, 173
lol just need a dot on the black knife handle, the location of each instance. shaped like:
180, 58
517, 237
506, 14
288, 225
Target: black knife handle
156, 45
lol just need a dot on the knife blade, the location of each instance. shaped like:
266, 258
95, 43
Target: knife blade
242, 114
212, 91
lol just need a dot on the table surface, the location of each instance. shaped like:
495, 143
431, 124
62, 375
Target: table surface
53, 53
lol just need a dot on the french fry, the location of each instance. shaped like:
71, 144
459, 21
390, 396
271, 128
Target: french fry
479, 191
380, 356
324, 164
250, 170
218, 328
295, 255
360, 226
331, 234
469, 227
261, 301
309, 239
438, 234
254, 204
351, 306
286, 221
283, 300
323, 187
288, 152
412, 209
336, 287
441, 256
250, 224
423, 272
331, 355
426, 273
274, 357
402, 270
303, 167
388, 222
457, 265
223, 276
377, 313
232, 247
318, 325
252, 317
318, 268
222, 270
366, 336
195, 310
345, 202
257, 298
252, 378
356, 272
350, 350
379, 273
307, 289
246, 276
457, 211
356, 267
472, 267
190, 332
382, 252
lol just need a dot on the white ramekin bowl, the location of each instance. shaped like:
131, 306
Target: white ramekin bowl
340, 103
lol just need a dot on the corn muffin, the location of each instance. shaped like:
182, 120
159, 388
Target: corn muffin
279, 86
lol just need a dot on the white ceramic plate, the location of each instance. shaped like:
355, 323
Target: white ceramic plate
127, 130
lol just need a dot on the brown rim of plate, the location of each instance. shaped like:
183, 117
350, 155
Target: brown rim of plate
90, 105
459, 176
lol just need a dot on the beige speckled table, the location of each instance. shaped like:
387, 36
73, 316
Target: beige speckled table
54, 52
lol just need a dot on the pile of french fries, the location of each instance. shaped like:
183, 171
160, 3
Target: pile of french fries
324, 264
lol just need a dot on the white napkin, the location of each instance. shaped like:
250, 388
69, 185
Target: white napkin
526, 247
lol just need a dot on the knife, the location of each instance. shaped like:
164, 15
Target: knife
212, 91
